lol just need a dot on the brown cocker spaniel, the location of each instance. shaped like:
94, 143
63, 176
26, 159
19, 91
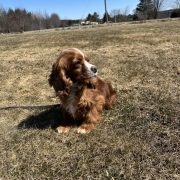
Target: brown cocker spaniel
83, 95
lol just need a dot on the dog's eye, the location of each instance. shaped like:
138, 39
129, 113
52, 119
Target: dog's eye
78, 62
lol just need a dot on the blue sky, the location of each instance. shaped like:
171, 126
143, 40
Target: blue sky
69, 9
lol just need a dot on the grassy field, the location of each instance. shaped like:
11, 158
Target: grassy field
138, 139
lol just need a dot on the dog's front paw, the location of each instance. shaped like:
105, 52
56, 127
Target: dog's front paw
85, 129
82, 131
62, 129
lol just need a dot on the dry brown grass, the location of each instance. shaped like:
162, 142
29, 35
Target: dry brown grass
138, 139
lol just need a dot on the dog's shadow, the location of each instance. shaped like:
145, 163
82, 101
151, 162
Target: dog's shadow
49, 118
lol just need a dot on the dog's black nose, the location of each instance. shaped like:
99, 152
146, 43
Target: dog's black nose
94, 69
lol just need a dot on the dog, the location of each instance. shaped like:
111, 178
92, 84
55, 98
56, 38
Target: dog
83, 95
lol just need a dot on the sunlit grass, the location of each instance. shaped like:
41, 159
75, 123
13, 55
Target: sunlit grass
138, 139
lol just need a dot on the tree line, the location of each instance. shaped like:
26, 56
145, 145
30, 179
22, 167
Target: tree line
19, 20
148, 9
151, 9
145, 10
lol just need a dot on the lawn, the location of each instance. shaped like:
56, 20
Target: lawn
138, 139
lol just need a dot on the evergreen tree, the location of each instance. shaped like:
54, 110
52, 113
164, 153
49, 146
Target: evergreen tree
89, 17
104, 17
144, 9
93, 17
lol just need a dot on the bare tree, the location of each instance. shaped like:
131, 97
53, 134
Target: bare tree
157, 6
47, 21
125, 13
39, 20
175, 4
126, 10
120, 15
114, 13
55, 20
3, 19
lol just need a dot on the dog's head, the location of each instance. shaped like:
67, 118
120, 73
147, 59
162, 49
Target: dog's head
72, 66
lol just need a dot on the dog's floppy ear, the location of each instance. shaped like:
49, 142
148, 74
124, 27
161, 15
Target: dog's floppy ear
86, 58
58, 78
